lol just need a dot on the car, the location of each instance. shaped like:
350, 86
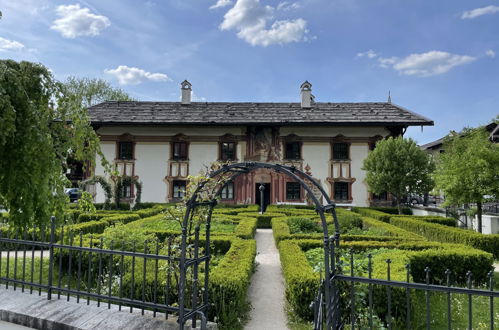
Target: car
414, 199
73, 193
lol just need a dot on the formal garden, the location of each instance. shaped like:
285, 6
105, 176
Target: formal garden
369, 237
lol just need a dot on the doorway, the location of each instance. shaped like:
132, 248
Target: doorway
266, 195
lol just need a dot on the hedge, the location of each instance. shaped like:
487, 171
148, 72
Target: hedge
440, 233
378, 215
392, 210
98, 226
389, 228
263, 220
450, 222
302, 282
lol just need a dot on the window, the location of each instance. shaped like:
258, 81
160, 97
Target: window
125, 150
341, 191
179, 151
293, 191
126, 191
227, 151
292, 151
340, 151
179, 188
227, 191
380, 197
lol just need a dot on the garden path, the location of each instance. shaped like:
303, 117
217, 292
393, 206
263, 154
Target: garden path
266, 292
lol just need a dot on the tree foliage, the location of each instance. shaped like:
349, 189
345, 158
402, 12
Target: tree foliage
468, 171
398, 166
94, 91
42, 123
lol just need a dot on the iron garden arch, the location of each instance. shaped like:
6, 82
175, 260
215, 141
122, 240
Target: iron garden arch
330, 291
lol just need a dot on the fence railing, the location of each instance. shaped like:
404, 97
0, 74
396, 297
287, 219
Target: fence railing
364, 302
71, 266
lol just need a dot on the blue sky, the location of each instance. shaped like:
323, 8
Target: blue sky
438, 58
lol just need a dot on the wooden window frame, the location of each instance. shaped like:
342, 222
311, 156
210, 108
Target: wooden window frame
225, 195
347, 145
173, 189
118, 150
221, 155
300, 145
349, 191
172, 154
288, 197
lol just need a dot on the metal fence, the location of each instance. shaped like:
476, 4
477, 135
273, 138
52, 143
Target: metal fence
74, 267
347, 309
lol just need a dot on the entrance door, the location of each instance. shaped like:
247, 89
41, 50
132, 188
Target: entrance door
266, 195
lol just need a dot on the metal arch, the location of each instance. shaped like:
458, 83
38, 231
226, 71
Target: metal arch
300, 177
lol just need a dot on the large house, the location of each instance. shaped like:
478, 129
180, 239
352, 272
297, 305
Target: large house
162, 143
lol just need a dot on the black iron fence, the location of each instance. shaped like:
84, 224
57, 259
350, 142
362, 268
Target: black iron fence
360, 301
150, 276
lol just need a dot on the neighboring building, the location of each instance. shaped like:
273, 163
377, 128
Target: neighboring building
436, 147
161, 143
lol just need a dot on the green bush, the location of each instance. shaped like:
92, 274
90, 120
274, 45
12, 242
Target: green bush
246, 227
436, 232
389, 228
451, 222
145, 213
229, 282
303, 225
378, 215
301, 281
263, 220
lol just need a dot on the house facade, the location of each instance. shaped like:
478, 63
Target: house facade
162, 143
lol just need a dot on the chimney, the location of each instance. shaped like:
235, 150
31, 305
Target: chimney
306, 94
186, 92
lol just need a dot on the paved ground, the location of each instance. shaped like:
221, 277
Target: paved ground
266, 292
38, 253
496, 266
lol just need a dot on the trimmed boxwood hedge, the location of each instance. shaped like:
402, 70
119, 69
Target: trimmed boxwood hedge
436, 232
368, 212
451, 222
263, 220
302, 282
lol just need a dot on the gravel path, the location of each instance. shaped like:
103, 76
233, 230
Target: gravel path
266, 292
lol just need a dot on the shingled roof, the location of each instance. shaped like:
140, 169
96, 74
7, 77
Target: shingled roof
239, 113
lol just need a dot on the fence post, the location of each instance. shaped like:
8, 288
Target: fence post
51, 257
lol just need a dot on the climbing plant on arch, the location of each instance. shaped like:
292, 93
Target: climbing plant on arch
123, 181
103, 183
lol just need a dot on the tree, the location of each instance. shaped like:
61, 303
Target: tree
468, 171
43, 123
398, 166
94, 91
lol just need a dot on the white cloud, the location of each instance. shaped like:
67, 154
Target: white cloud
470, 14
425, 64
221, 3
490, 53
286, 5
6, 44
75, 21
369, 54
132, 76
250, 19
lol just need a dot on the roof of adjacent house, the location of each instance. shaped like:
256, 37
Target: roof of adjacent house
240, 113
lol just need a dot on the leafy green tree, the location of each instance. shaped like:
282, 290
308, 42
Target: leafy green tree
94, 91
43, 123
468, 171
398, 166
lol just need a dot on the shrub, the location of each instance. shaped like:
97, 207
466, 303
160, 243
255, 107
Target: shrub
451, 222
246, 227
389, 228
436, 232
303, 225
263, 220
392, 210
378, 215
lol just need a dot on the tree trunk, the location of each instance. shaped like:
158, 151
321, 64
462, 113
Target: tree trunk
399, 207
479, 216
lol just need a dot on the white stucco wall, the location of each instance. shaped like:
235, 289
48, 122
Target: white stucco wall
360, 194
317, 156
331, 131
171, 131
201, 154
151, 168
109, 151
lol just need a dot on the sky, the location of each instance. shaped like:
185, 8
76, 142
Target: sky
439, 59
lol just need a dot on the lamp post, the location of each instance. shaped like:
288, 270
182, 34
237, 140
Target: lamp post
261, 188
